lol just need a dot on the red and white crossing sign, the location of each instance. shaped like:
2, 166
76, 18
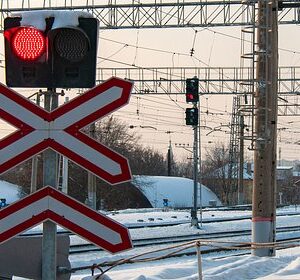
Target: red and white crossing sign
60, 129
51, 204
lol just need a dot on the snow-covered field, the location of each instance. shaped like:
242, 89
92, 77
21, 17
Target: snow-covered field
285, 266
216, 266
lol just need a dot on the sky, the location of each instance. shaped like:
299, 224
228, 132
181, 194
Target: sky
161, 118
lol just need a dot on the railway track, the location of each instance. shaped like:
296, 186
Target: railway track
143, 242
204, 221
174, 223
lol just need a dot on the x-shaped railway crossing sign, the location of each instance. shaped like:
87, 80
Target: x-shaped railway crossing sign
60, 129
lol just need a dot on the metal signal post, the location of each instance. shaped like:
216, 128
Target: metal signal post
49, 179
194, 218
192, 116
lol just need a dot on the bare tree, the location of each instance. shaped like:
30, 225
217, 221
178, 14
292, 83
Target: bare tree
184, 168
215, 172
116, 135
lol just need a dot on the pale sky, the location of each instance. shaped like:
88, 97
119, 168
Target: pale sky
162, 119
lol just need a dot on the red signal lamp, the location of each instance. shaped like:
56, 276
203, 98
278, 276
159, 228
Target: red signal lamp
190, 96
28, 43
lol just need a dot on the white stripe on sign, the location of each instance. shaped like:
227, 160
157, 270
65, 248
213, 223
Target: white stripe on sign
22, 145
87, 108
93, 156
23, 214
21, 113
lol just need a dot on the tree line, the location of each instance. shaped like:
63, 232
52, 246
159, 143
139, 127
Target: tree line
118, 136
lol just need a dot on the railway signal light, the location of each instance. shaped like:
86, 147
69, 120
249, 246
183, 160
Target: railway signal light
28, 43
192, 90
191, 116
62, 57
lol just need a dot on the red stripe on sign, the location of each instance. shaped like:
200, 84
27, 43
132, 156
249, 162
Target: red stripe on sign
109, 108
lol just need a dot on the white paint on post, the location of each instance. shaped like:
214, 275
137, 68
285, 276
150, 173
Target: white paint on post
262, 232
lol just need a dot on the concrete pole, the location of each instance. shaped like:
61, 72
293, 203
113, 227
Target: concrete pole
241, 169
264, 183
50, 167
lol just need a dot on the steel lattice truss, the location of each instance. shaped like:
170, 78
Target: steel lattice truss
213, 80
157, 14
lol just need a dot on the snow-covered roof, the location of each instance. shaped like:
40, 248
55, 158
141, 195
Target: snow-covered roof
9, 191
284, 167
296, 173
179, 191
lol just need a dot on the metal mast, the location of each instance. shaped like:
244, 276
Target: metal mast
234, 148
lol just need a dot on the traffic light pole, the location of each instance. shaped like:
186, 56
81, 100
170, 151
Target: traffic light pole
49, 179
194, 218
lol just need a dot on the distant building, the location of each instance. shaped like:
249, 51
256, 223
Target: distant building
174, 191
288, 180
284, 172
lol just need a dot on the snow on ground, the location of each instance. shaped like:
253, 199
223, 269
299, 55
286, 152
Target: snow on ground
285, 266
216, 266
